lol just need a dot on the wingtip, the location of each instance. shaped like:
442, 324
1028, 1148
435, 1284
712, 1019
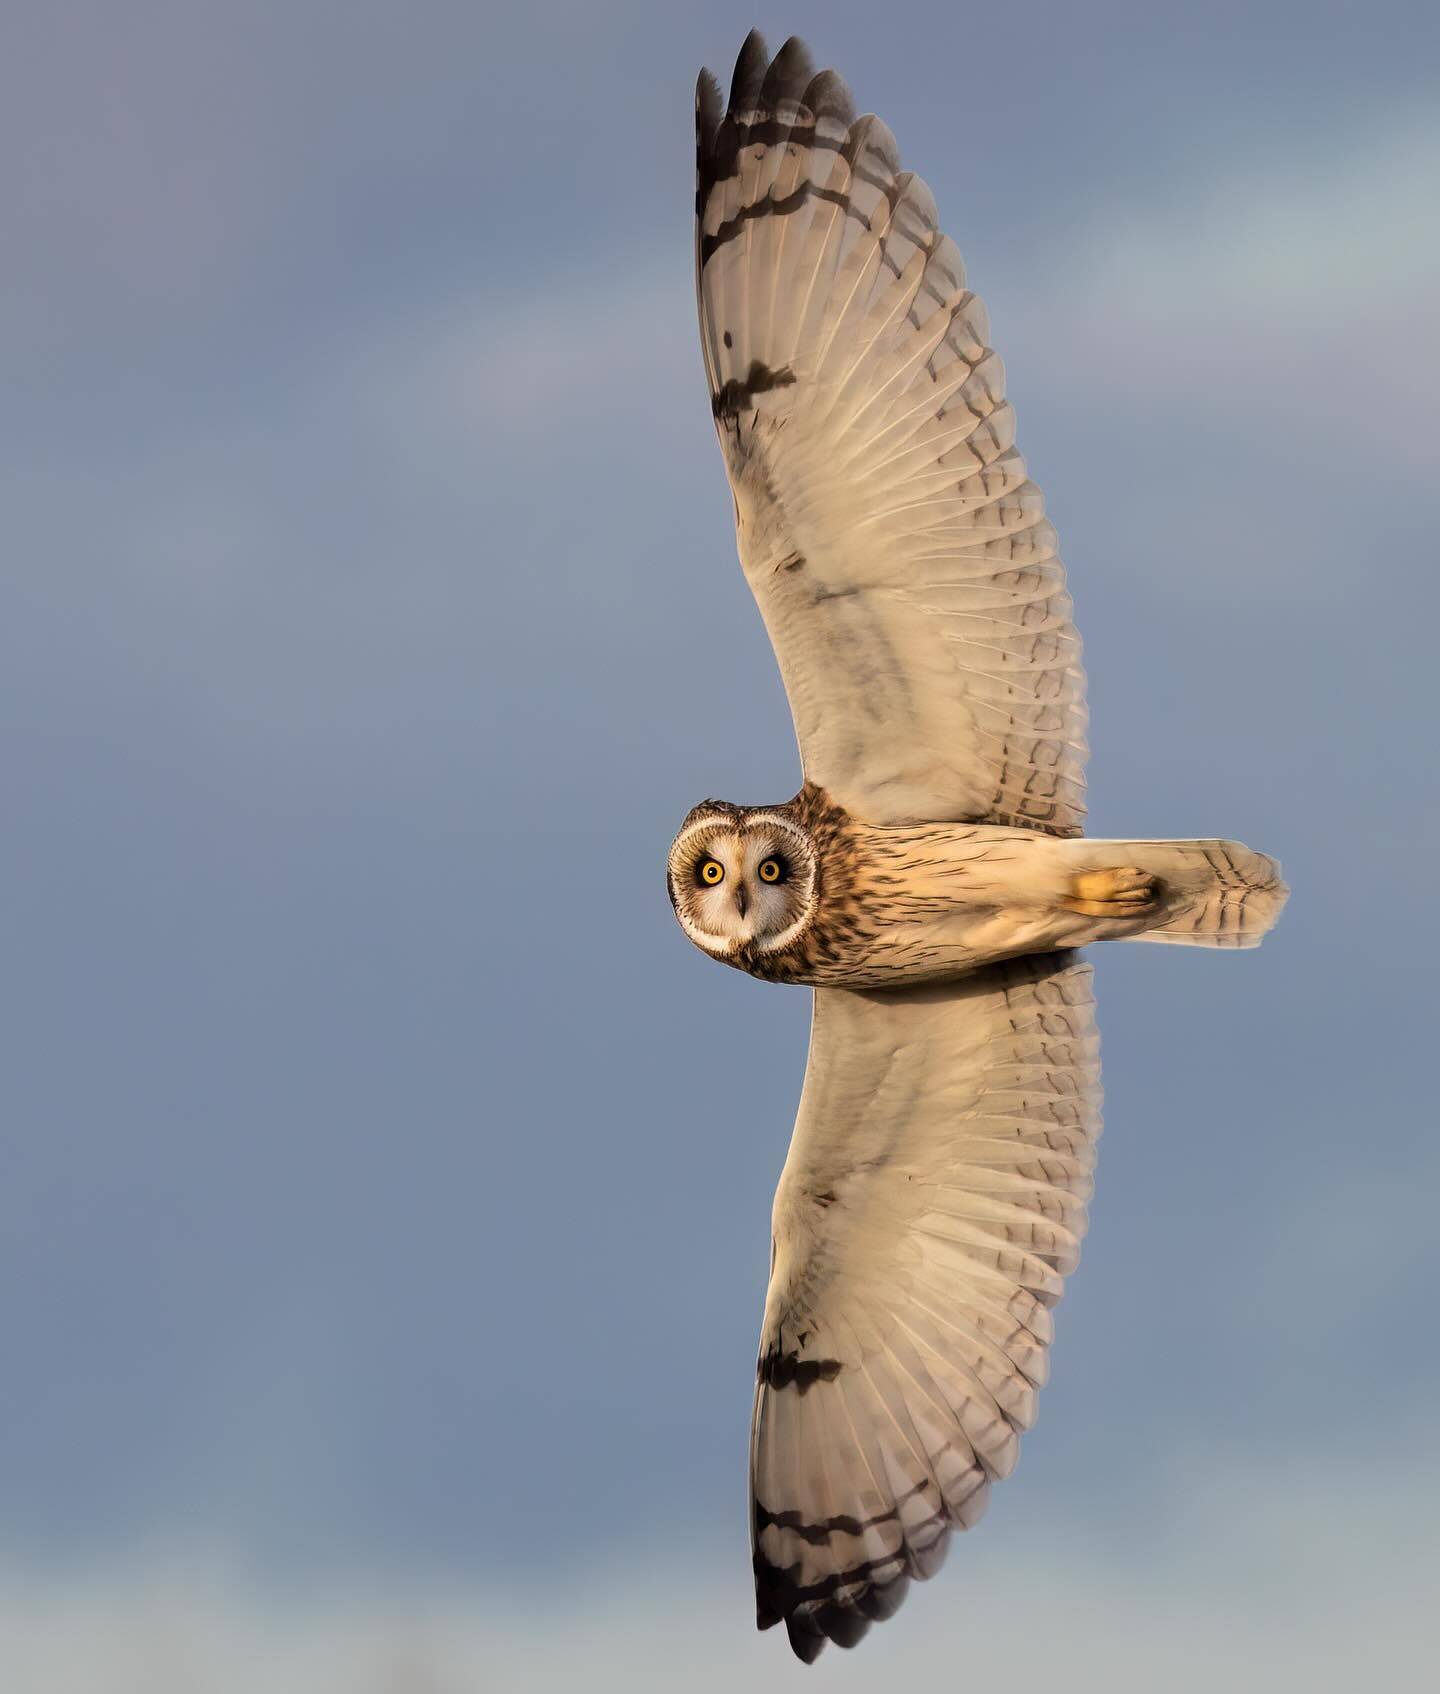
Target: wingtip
806, 1641
708, 108
789, 74
828, 96
749, 75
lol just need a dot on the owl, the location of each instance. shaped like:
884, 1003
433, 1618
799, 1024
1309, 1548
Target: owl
931, 881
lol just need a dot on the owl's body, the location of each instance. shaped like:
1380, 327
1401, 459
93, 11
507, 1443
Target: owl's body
931, 880
887, 905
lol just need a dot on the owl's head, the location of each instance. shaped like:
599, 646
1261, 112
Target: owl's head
743, 881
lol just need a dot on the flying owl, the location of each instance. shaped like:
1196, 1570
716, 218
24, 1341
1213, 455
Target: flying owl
931, 880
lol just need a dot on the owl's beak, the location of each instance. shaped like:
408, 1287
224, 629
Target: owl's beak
742, 900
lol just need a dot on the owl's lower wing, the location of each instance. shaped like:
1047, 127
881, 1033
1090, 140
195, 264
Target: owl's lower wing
899, 553
931, 1205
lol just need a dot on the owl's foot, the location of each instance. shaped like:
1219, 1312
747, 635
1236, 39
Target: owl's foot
1125, 892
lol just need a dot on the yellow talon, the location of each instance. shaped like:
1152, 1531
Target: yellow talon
1125, 891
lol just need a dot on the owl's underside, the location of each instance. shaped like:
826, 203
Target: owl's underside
887, 905
930, 880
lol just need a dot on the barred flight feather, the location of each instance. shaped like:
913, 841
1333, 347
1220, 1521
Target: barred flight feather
932, 1203
899, 553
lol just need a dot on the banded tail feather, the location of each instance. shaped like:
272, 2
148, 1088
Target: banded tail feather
1211, 893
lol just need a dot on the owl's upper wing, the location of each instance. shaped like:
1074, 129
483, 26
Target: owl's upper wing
932, 1202
900, 556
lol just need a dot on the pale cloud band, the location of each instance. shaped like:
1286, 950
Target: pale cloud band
1310, 1573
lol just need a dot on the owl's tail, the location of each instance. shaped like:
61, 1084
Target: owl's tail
1211, 893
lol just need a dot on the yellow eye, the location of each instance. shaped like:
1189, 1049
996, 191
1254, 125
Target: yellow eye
711, 872
771, 870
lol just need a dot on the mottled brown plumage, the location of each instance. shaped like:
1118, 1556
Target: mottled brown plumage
886, 904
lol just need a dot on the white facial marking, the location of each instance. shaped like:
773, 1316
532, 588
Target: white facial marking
743, 907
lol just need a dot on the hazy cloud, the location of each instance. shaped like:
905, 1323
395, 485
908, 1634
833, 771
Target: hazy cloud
1312, 1574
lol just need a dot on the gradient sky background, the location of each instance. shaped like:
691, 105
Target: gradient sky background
381, 1246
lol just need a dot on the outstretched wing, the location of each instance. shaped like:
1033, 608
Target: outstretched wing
900, 555
932, 1202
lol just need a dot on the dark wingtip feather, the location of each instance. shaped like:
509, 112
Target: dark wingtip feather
707, 110
789, 75
810, 1612
843, 1624
749, 74
806, 1641
881, 1601
828, 96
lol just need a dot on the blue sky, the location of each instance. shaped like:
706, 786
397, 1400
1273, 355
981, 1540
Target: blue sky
381, 1246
